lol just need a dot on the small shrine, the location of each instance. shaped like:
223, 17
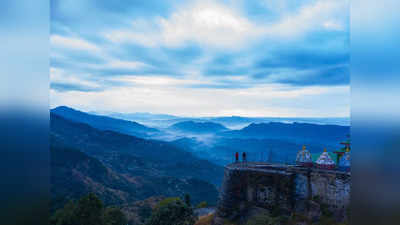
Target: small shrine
344, 163
341, 152
304, 158
325, 161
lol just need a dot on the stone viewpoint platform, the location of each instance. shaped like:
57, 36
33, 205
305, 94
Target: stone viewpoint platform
287, 188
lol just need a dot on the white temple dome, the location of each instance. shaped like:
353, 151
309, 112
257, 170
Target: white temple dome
325, 161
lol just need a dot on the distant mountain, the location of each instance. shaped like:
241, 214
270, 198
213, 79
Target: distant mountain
222, 150
198, 127
232, 122
185, 143
142, 116
199, 148
235, 121
104, 122
131, 155
294, 132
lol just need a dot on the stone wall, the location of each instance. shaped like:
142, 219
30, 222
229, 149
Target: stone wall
287, 189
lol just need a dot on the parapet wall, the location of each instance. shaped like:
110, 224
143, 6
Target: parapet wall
285, 188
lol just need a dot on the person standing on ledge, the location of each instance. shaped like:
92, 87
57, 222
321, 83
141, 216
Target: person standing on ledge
244, 157
237, 157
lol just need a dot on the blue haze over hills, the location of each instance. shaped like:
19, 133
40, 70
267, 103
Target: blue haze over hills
217, 138
122, 168
233, 122
125, 161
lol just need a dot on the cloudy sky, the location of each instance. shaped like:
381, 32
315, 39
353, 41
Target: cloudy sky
202, 58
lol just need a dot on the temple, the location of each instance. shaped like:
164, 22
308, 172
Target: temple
304, 158
314, 189
344, 163
325, 161
339, 153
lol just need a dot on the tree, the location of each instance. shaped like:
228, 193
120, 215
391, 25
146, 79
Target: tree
172, 211
263, 219
114, 216
187, 200
202, 204
65, 216
88, 210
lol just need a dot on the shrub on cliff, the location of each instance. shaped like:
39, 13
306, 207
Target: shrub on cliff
202, 204
172, 211
326, 220
114, 216
263, 219
89, 210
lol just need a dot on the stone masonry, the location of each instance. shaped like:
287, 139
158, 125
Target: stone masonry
289, 189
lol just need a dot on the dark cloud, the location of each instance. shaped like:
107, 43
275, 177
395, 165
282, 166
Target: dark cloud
70, 12
339, 75
101, 85
225, 71
305, 67
303, 60
184, 54
299, 67
64, 87
313, 60
227, 64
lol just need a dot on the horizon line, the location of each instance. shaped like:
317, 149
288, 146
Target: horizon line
106, 113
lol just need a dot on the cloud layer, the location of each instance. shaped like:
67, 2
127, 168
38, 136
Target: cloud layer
193, 57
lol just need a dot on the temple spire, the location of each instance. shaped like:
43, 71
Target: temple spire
304, 157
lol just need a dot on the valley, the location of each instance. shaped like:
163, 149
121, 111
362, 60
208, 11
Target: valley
132, 165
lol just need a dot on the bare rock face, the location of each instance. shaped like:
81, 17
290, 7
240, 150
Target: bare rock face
283, 189
314, 211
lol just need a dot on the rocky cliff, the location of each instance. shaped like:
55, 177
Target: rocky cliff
282, 189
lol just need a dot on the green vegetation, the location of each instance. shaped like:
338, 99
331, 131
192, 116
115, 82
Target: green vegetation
172, 211
263, 219
205, 220
144, 212
114, 216
202, 204
136, 170
167, 201
187, 200
326, 220
89, 210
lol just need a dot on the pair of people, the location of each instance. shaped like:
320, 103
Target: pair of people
243, 156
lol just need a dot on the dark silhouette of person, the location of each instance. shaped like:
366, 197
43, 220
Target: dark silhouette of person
244, 156
237, 157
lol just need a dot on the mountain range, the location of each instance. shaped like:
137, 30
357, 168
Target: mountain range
123, 168
198, 127
121, 161
232, 122
104, 122
295, 132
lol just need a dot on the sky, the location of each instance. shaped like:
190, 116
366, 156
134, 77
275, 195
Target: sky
275, 58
